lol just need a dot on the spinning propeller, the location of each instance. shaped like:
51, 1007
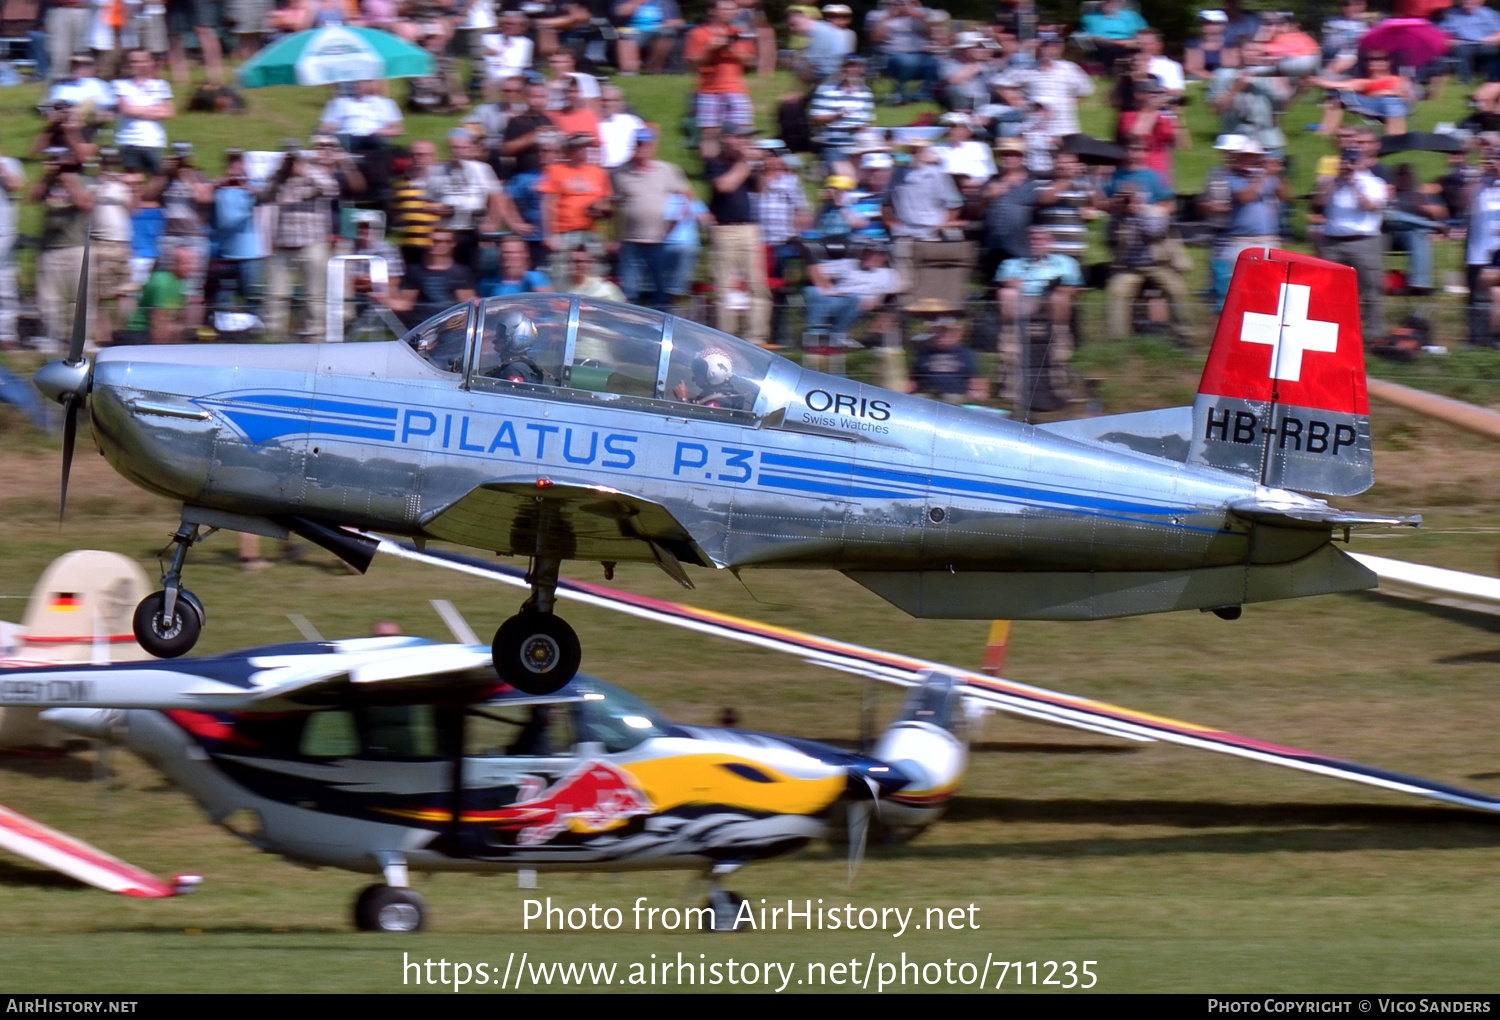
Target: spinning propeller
68, 381
859, 815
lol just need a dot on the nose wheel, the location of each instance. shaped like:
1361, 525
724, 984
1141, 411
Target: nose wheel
167, 633
536, 653
167, 623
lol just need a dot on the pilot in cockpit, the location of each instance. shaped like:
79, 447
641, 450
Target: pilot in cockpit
510, 349
713, 375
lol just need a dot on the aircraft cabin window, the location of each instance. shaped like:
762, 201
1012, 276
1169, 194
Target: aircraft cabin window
443, 339
713, 369
330, 734
400, 732
618, 720
618, 350
523, 341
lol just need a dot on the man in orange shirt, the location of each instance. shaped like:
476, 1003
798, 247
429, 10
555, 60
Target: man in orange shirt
575, 117
575, 195
720, 52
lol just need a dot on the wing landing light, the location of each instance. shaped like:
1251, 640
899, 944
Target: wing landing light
993, 692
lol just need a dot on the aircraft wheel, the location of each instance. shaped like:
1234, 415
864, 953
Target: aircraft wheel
536, 653
726, 908
167, 639
386, 908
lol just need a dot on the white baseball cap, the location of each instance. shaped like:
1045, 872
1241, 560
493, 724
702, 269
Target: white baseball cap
1215, 16
876, 161
1231, 143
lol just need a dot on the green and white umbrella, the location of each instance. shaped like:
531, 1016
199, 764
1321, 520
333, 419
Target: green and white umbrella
323, 56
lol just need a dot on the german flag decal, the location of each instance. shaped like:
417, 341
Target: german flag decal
65, 602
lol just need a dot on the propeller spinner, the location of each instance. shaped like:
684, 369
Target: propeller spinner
68, 381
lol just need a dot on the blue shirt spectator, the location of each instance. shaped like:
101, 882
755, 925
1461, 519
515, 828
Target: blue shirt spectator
234, 223
1261, 216
1118, 23
1038, 275
1472, 23
1148, 180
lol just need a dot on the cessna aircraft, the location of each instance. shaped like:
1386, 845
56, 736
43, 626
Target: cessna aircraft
347, 754
389, 755
566, 428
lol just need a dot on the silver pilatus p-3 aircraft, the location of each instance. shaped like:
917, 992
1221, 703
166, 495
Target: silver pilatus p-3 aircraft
558, 428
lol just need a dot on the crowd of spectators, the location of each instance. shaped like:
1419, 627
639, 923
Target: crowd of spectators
548, 180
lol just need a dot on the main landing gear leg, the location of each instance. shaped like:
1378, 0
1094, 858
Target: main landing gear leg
535, 651
725, 904
167, 623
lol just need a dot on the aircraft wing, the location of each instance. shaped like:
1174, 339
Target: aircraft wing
573, 521
1455, 589
991, 692
29, 838
289, 677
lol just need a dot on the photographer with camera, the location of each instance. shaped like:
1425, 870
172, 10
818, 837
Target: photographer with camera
67, 202
92, 99
241, 249
1251, 97
145, 101
186, 197
739, 252
466, 191
109, 260
721, 52
303, 193
1352, 203
1138, 228
63, 130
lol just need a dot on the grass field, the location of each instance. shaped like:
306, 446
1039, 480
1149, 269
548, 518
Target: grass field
1175, 870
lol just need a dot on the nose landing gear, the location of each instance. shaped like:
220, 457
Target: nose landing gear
167, 623
534, 651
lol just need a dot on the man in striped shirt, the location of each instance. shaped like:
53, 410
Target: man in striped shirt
1057, 84
839, 108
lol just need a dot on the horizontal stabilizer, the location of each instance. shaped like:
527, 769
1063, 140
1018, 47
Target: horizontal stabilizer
29, 838
1294, 514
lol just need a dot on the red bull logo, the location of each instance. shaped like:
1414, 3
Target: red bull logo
595, 798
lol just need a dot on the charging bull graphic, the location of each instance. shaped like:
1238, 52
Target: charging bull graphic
594, 798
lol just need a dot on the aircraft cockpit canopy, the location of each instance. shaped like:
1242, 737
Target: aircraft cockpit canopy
592, 351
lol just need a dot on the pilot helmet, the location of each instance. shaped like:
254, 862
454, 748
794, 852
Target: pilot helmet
515, 333
714, 367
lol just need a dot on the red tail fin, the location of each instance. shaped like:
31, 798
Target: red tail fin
1283, 395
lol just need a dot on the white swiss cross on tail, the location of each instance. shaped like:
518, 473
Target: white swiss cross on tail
1290, 333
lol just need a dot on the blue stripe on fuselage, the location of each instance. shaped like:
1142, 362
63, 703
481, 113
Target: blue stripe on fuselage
317, 405
262, 428
968, 485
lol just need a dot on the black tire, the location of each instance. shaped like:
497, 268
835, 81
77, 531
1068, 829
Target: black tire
167, 639
386, 908
536, 653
